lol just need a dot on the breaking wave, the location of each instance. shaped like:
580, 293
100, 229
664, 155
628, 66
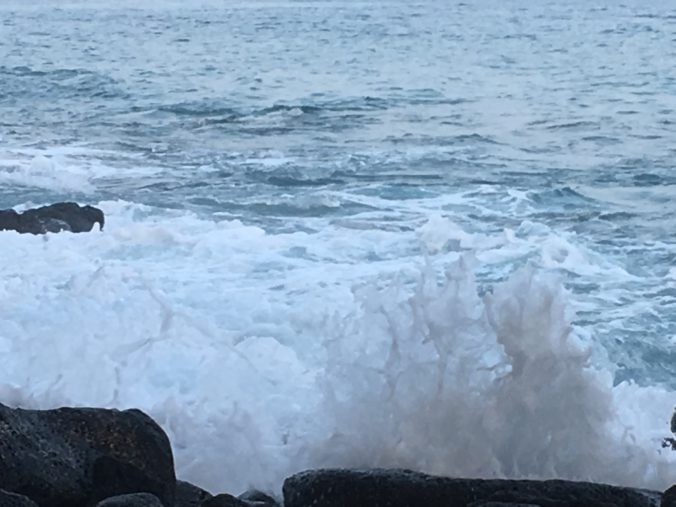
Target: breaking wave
440, 374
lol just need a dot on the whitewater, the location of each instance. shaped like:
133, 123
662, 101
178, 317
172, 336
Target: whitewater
429, 235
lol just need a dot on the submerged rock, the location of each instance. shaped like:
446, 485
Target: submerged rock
62, 216
405, 488
80, 456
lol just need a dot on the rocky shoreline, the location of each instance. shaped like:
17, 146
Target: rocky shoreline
90, 457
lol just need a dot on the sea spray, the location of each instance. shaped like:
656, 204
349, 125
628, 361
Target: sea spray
439, 373
451, 383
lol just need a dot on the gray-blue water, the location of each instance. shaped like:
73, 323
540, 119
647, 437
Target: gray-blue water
262, 164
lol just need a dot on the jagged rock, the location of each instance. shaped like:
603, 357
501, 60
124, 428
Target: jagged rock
62, 216
257, 498
79, 456
405, 488
669, 497
8, 499
189, 495
225, 500
131, 500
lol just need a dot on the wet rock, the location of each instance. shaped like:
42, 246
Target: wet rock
80, 456
251, 498
189, 495
257, 498
131, 500
671, 442
669, 497
62, 216
9, 220
8, 499
501, 504
405, 488
225, 500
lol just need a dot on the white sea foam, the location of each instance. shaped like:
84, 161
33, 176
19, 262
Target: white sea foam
262, 354
438, 232
45, 172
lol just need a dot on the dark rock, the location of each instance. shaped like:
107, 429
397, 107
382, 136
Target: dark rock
405, 488
189, 495
671, 442
225, 500
501, 504
251, 498
62, 216
79, 456
131, 500
8, 499
9, 220
257, 498
669, 497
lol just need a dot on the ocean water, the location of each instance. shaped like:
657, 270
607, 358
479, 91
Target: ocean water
433, 235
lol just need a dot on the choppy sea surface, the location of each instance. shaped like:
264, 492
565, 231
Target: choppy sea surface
434, 235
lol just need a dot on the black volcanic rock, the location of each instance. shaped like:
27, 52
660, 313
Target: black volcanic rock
62, 216
8, 499
258, 499
671, 442
9, 220
224, 500
501, 504
189, 495
79, 456
669, 497
131, 500
404, 488
250, 498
